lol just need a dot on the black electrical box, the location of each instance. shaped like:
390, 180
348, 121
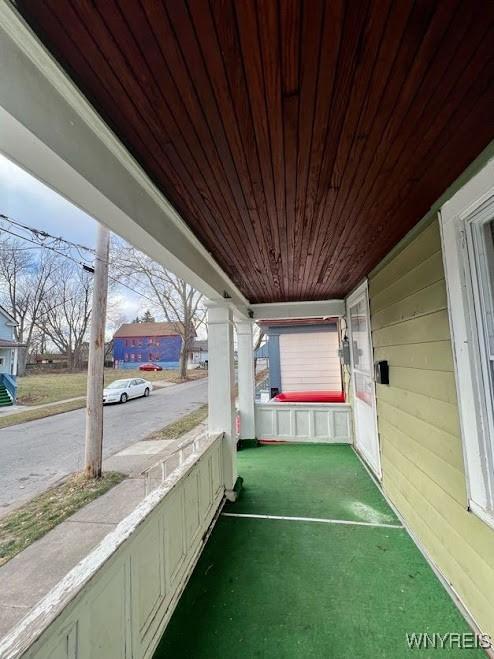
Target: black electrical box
274, 391
382, 372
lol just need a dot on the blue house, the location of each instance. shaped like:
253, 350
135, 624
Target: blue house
139, 343
8, 358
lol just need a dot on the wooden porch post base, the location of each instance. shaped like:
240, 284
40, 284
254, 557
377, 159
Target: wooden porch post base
247, 443
232, 495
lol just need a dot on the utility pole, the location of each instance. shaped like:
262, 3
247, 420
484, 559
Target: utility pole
96, 362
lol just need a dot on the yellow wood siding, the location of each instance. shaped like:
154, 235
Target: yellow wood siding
422, 460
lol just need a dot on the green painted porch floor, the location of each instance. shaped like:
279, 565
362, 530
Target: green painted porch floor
275, 588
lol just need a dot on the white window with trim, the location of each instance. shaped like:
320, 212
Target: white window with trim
467, 229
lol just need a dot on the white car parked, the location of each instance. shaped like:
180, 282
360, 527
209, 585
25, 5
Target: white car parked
121, 390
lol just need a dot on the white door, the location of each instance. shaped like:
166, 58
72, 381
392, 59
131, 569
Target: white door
309, 361
364, 392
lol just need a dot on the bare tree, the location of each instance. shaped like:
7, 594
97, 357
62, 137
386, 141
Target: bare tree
25, 284
65, 318
179, 302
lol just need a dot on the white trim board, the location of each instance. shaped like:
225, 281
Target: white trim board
362, 291
315, 520
456, 217
306, 309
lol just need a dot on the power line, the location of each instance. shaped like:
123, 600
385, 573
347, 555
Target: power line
44, 234
68, 256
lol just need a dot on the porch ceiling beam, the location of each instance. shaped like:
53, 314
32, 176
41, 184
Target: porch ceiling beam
309, 309
49, 128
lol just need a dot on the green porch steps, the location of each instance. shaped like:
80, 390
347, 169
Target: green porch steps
4, 397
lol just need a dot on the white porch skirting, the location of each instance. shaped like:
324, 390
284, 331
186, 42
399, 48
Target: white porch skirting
117, 601
304, 422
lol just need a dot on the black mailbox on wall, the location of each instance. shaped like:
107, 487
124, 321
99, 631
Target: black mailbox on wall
382, 372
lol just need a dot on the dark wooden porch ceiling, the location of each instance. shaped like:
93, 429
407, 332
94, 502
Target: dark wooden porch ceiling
299, 140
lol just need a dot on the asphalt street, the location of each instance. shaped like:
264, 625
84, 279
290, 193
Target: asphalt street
35, 455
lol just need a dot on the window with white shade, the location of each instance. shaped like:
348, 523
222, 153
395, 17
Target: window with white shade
467, 228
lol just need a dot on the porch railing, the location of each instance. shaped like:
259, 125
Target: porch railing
159, 472
304, 422
117, 601
9, 382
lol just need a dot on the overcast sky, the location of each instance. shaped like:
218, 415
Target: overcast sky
26, 200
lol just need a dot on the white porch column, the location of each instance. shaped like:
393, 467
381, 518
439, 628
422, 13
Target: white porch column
246, 379
14, 362
221, 380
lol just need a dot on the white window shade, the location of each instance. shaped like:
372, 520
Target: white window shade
310, 362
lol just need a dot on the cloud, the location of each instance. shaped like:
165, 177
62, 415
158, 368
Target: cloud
27, 200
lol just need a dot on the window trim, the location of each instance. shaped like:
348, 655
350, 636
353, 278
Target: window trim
473, 204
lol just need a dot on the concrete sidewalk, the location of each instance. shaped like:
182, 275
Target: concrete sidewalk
30, 575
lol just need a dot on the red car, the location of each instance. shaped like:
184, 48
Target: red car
150, 367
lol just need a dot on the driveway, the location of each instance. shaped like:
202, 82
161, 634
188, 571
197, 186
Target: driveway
36, 454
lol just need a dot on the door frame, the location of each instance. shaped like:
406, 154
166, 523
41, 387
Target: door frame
363, 291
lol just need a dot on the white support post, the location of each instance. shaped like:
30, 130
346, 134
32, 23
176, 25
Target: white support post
246, 379
14, 362
221, 380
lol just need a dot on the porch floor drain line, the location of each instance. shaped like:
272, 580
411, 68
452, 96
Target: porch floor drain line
317, 520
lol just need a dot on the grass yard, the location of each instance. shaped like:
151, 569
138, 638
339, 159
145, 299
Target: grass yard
33, 520
41, 412
51, 387
178, 428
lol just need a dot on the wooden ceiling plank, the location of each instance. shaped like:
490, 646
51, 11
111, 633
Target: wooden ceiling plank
79, 35
310, 54
330, 46
270, 46
216, 48
295, 159
461, 113
290, 22
350, 139
378, 144
117, 86
187, 113
377, 106
187, 154
437, 112
230, 69
465, 138
353, 27
247, 27
388, 163
193, 85
435, 88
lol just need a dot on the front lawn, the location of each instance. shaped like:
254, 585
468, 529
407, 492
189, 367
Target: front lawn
34, 519
36, 413
181, 426
52, 387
